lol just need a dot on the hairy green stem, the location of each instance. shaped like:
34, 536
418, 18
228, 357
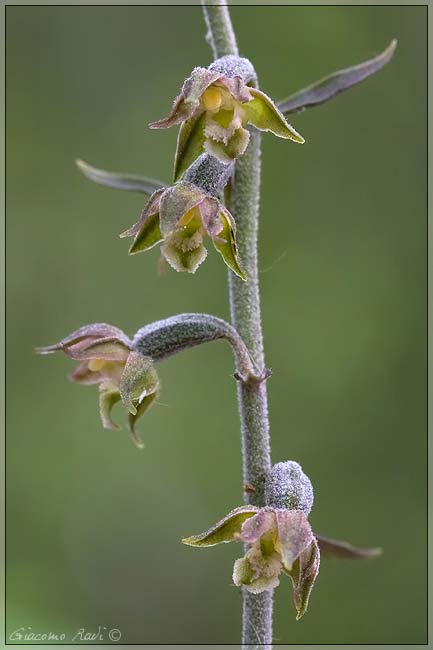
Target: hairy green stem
246, 317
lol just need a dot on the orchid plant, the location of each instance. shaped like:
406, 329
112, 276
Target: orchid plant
221, 114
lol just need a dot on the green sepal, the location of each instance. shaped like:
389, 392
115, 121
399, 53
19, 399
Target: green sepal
139, 379
148, 236
108, 396
303, 574
264, 115
225, 244
225, 530
128, 182
190, 143
145, 404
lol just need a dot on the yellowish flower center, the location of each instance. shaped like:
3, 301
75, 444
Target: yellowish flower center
211, 98
96, 364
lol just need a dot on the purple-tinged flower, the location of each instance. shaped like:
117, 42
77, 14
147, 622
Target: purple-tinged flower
214, 107
180, 217
279, 538
106, 357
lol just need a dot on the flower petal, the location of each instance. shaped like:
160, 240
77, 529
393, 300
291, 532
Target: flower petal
265, 116
261, 523
209, 211
294, 535
183, 260
235, 147
226, 530
190, 144
176, 202
180, 111
83, 375
108, 348
138, 380
303, 574
255, 573
344, 550
92, 331
108, 396
225, 244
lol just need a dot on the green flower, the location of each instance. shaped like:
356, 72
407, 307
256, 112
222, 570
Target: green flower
214, 107
180, 217
106, 357
279, 537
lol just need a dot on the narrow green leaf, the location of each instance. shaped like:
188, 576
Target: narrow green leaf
344, 550
128, 182
330, 86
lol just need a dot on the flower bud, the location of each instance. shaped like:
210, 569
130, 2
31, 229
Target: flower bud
288, 487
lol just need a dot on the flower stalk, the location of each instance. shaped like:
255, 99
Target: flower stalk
246, 318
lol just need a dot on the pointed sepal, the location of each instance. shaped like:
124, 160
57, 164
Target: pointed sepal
303, 574
226, 530
265, 116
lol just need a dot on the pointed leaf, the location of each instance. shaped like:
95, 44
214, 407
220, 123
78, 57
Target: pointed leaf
128, 182
264, 115
330, 86
303, 574
226, 530
344, 550
190, 142
225, 244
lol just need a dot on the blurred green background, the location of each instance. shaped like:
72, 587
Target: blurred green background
93, 524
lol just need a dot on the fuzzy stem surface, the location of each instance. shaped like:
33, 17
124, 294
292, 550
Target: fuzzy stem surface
246, 318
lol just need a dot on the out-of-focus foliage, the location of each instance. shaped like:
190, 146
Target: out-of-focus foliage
94, 524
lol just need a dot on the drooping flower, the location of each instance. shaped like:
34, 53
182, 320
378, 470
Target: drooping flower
279, 537
214, 107
181, 216
106, 357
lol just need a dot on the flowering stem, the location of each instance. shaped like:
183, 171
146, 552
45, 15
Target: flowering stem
246, 317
